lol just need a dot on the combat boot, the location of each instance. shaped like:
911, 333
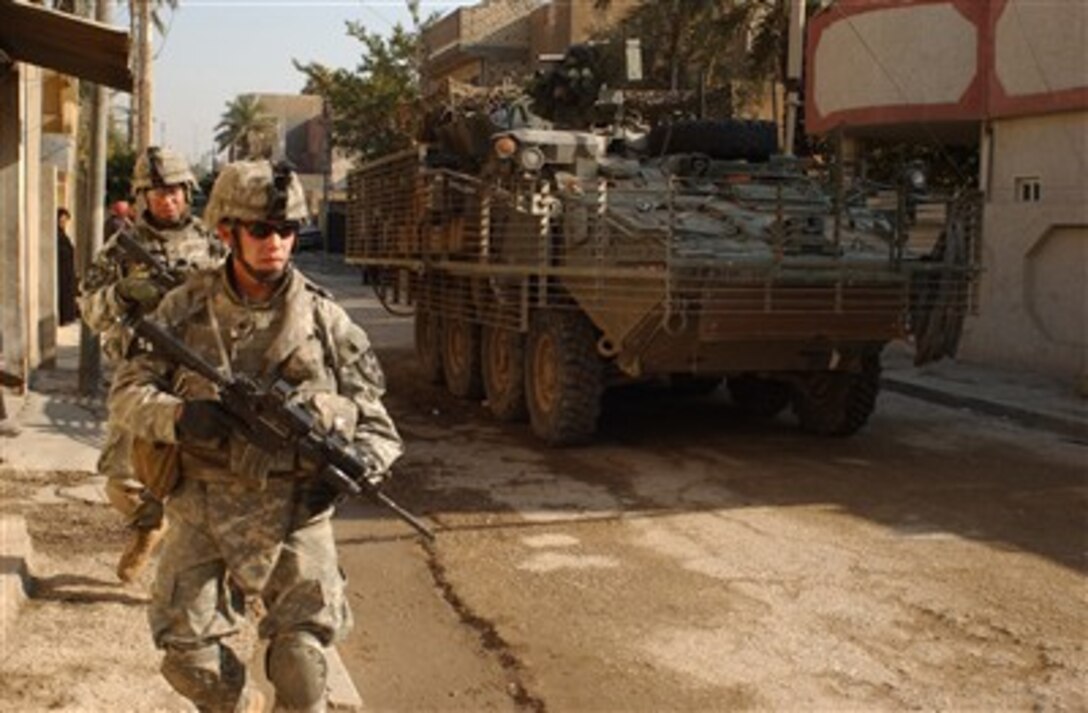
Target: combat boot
141, 545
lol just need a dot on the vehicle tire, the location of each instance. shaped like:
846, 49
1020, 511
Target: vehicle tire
726, 140
428, 340
564, 377
838, 403
685, 385
461, 357
503, 357
760, 398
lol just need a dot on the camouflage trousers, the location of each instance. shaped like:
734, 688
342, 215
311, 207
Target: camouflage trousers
228, 542
115, 462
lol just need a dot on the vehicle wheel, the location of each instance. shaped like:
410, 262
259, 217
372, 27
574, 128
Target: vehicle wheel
461, 358
760, 398
838, 403
564, 378
428, 338
726, 140
692, 385
503, 356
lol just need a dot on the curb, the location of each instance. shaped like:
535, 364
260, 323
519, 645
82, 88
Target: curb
15, 554
1070, 428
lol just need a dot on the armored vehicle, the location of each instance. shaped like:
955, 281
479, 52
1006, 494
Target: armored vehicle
544, 266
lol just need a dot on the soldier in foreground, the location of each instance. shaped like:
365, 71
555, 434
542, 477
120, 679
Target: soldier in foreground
243, 518
163, 185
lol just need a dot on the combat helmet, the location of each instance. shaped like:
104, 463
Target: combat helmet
157, 167
256, 190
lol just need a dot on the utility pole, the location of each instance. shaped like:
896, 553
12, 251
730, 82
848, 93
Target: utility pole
794, 64
326, 176
144, 74
92, 214
134, 63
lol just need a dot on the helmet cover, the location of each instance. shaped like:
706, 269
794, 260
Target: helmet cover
256, 190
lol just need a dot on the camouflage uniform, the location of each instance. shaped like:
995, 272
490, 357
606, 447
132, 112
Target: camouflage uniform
187, 246
242, 516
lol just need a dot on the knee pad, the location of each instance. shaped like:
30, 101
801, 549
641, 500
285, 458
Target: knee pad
296, 666
211, 676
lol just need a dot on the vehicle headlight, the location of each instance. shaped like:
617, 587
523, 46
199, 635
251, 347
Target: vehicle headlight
506, 146
531, 158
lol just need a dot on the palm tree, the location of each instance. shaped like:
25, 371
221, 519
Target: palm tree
145, 17
245, 130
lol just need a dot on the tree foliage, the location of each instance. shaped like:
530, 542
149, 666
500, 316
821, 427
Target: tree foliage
120, 161
371, 108
245, 130
721, 43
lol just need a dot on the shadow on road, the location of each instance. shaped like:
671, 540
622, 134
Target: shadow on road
917, 469
75, 589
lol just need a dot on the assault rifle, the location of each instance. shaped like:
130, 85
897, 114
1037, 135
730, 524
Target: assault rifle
126, 243
264, 416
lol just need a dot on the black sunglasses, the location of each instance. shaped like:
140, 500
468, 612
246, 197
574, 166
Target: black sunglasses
261, 229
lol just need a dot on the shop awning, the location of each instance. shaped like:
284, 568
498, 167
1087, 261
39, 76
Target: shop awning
65, 43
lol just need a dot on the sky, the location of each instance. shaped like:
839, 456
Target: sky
215, 50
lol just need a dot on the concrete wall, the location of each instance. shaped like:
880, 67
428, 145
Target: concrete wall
874, 59
27, 322
1040, 46
32, 234
298, 140
1034, 291
557, 25
909, 61
13, 325
47, 265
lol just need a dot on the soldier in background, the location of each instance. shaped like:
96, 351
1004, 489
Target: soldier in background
163, 185
240, 517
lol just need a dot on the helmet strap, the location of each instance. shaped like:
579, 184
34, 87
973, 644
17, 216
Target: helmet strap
238, 256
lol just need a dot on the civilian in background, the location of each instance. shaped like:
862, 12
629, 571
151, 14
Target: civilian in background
67, 311
120, 217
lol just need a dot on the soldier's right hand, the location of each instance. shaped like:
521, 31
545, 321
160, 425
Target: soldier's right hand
139, 290
202, 420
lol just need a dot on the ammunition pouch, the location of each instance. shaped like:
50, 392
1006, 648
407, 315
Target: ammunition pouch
157, 466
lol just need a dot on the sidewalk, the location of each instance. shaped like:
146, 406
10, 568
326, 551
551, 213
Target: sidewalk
61, 434
63, 613
1024, 398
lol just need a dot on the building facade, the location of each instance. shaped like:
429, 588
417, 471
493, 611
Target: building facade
302, 137
43, 51
1011, 78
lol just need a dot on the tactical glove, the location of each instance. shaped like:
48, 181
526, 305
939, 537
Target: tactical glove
322, 495
202, 420
139, 290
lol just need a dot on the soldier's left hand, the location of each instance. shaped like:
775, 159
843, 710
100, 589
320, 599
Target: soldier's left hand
140, 291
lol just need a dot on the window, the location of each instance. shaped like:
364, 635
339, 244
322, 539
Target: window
1028, 189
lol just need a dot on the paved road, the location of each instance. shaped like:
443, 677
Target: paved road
689, 560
